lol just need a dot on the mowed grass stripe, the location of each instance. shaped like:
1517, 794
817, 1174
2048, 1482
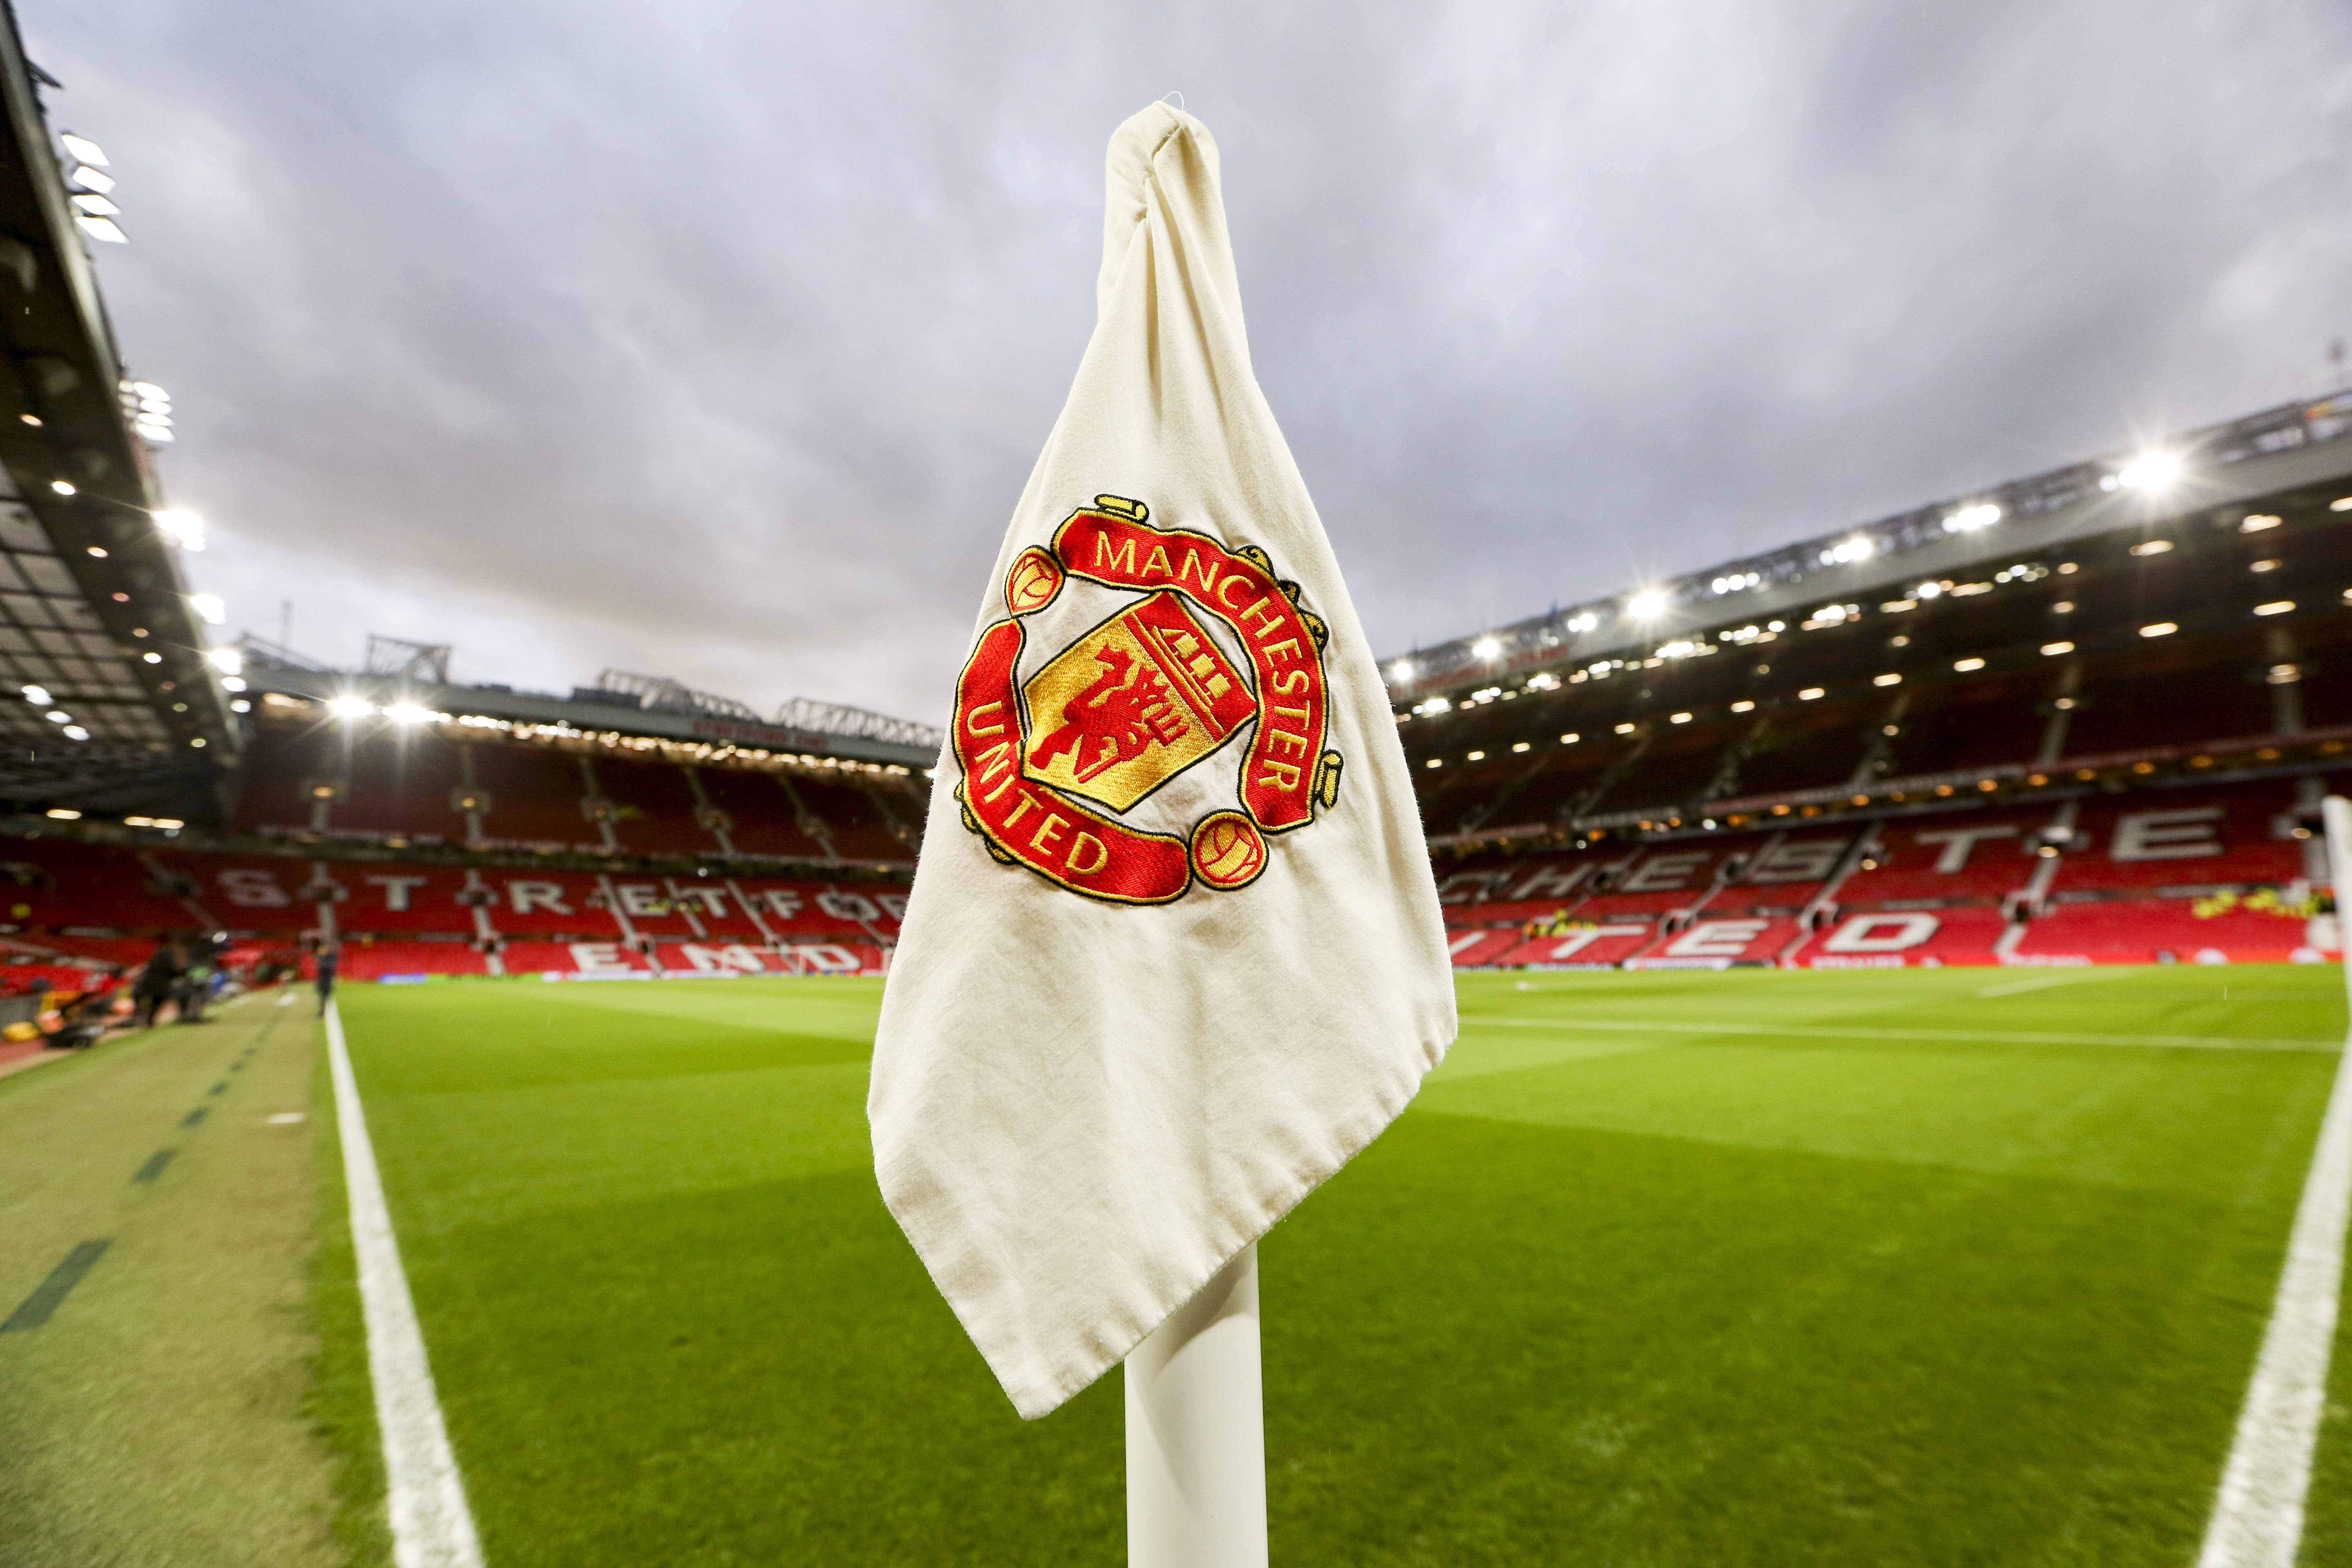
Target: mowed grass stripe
1955, 1036
1649, 1296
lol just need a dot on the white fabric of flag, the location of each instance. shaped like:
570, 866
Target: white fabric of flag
1173, 953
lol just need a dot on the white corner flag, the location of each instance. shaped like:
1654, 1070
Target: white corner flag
1173, 954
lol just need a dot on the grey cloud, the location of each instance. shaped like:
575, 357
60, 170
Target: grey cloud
717, 338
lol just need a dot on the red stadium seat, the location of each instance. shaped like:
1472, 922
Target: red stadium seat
376, 960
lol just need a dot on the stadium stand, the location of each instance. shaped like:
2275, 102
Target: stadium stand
2060, 722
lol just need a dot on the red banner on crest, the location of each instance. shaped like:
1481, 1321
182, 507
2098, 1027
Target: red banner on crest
1279, 777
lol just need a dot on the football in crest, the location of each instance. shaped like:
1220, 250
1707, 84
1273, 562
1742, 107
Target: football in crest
1228, 851
1035, 578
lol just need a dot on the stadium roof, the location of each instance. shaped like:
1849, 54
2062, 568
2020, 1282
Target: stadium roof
619, 703
94, 613
2264, 454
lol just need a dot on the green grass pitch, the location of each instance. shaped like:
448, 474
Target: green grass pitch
1964, 1267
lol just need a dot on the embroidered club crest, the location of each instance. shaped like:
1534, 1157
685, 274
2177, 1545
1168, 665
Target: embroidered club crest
1100, 725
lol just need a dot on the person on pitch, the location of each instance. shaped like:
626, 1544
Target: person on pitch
329, 953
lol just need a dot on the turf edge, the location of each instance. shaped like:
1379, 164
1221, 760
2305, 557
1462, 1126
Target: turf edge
340, 1401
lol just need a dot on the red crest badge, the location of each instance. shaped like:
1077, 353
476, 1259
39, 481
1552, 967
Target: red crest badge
1090, 723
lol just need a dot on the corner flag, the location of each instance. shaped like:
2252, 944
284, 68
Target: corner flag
1173, 953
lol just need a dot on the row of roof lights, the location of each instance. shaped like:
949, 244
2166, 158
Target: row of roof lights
39, 697
351, 707
148, 409
169, 824
2150, 473
1433, 705
93, 205
1830, 615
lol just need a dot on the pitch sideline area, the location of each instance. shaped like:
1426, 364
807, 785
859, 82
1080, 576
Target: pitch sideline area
158, 1203
1791, 1276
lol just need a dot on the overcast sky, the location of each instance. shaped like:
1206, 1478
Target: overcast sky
715, 338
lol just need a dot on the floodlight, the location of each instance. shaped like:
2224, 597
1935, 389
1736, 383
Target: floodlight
406, 712
96, 205
55, 716
183, 527
82, 177
2154, 472
98, 227
85, 151
1485, 648
153, 658
2160, 629
1401, 669
210, 607
1647, 605
227, 661
76, 732
1964, 666
2052, 649
62, 486
2277, 607
38, 696
350, 707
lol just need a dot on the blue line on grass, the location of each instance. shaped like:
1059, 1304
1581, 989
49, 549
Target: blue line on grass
155, 1163
36, 1308
195, 1116
221, 1088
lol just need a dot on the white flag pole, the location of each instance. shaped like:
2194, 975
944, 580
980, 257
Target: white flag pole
1196, 1432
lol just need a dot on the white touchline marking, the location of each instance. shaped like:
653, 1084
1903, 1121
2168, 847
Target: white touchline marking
2257, 1514
1988, 1036
2043, 982
2258, 1517
285, 1118
431, 1526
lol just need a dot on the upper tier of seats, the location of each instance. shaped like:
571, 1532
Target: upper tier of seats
2145, 645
